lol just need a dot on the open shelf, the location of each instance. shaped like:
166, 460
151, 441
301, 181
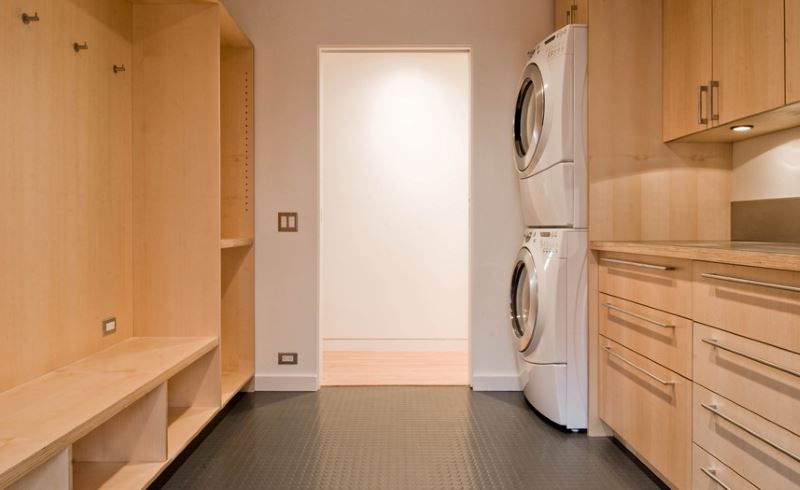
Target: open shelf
232, 383
97, 475
235, 242
183, 424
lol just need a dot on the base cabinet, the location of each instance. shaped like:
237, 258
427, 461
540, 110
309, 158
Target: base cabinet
648, 407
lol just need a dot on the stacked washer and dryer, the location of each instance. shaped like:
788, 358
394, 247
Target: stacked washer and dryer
548, 283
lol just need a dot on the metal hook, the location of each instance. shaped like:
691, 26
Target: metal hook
77, 47
118, 68
27, 19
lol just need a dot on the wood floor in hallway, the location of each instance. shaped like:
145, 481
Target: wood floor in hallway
394, 368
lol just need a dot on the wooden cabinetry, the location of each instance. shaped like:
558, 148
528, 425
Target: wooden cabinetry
792, 27
686, 66
129, 195
570, 12
723, 61
748, 54
739, 368
649, 407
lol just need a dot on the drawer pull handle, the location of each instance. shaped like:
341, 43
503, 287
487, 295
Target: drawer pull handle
712, 474
752, 282
713, 409
757, 359
640, 369
637, 264
636, 315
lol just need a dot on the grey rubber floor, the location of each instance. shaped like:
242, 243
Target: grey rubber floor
398, 437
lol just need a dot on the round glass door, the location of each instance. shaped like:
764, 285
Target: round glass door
528, 115
524, 300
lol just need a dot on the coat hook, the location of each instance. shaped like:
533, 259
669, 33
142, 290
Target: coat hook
27, 19
77, 47
118, 68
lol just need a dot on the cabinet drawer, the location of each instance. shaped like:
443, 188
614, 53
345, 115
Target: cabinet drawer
659, 336
762, 452
658, 282
761, 304
760, 377
708, 473
648, 407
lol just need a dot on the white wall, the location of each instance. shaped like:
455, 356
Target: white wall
287, 36
394, 156
767, 167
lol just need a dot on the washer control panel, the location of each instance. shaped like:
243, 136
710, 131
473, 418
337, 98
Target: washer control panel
550, 242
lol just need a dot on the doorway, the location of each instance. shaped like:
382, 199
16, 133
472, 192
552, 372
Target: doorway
394, 216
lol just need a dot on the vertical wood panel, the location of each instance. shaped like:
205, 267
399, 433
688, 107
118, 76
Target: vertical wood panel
236, 78
65, 183
176, 169
639, 187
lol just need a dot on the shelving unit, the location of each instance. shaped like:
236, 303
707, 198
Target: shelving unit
167, 142
237, 179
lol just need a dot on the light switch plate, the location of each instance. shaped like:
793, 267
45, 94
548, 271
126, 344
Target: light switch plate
287, 222
287, 357
109, 326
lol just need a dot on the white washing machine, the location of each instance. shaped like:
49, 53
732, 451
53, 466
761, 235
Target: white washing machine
550, 131
548, 319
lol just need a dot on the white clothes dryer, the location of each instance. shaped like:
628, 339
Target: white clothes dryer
549, 322
550, 132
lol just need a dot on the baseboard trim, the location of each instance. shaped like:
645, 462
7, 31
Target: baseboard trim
395, 345
297, 382
494, 382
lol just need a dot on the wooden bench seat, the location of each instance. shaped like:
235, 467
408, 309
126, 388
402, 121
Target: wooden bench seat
43, 417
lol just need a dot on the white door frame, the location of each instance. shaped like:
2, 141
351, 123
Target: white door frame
394, 49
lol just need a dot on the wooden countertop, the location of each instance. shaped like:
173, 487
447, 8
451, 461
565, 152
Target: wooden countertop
784, 256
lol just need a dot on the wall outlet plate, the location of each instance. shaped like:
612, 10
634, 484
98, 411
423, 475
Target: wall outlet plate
109, 326
287, 222
287, 357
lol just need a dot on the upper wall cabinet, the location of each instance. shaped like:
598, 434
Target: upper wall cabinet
724, 62
686, 66
792, 24
570, 12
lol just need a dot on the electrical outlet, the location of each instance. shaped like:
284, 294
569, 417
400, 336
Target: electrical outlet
287, 357
109, 326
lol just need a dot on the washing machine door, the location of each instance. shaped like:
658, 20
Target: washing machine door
529, 117
524, 299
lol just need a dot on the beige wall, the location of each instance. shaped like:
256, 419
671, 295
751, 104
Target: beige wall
287, 36
767, 167
394, 158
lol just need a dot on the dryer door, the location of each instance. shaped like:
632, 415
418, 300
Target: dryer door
529, 117
524, 299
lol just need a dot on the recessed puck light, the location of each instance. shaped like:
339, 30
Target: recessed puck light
742, 128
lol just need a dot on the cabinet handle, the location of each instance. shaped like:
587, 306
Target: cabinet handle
637, 264
702, 90
636, 315
713, 87
640, 369
714, 409
760, 360
712, 474
752, 282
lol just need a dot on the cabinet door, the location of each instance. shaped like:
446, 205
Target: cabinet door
792, 51
562, 13
686, 66
570, 12
748, 57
